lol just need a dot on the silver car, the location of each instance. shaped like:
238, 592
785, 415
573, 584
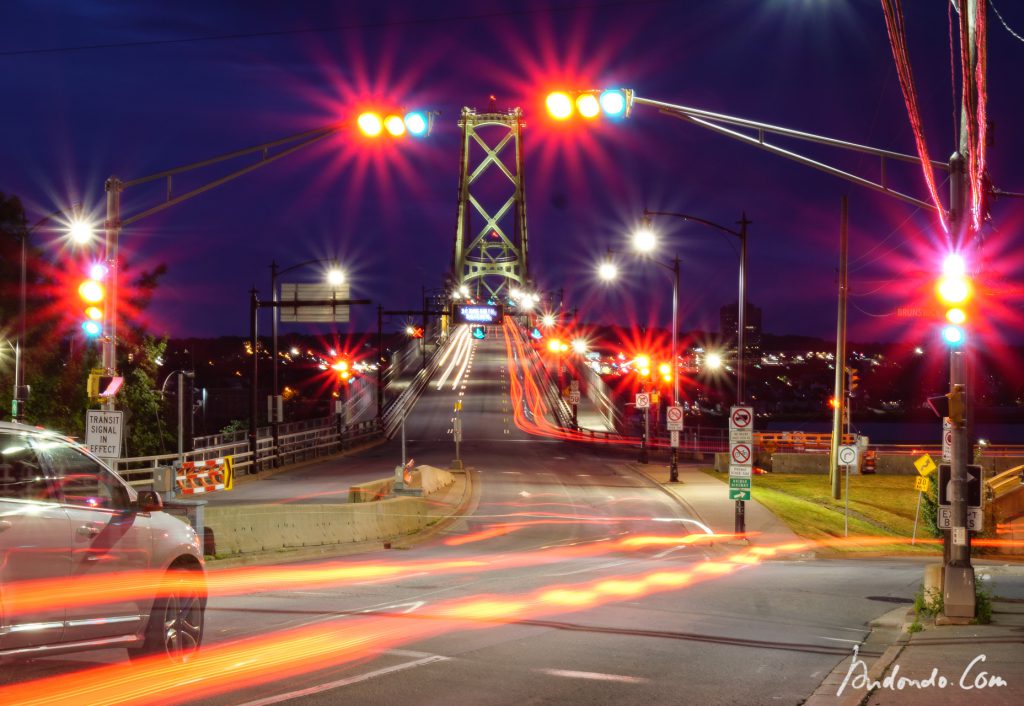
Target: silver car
66, 520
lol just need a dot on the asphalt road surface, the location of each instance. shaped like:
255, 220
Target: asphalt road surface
551, 606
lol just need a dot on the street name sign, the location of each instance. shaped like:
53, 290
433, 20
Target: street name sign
103, 433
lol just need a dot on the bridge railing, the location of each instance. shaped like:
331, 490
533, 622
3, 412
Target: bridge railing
297, 441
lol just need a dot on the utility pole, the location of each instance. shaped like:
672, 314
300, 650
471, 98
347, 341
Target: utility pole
840, 396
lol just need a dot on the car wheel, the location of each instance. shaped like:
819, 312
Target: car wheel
175, 627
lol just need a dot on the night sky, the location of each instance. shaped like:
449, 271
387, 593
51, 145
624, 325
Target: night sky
130, 88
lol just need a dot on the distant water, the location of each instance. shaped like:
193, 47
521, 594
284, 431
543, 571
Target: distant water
910, 432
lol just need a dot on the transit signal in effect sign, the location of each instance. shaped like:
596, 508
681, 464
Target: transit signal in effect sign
478, 314
103, 433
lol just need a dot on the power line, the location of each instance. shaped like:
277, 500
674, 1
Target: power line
333, 28
994, 9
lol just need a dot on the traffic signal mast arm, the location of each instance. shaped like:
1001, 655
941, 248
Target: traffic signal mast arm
718, 121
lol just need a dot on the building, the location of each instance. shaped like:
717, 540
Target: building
728, 326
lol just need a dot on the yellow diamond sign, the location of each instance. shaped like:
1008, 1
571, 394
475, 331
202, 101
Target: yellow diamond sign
925, 465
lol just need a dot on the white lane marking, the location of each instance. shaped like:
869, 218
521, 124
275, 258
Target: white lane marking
594, 675
670, 550
409, 606
389, 579
707, 530
512, 473
839, 639
320, 688
590, 568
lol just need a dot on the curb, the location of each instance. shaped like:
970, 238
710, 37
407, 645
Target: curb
887, 635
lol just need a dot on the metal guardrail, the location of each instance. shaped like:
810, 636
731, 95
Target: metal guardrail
399, 409
327, 437
1004, 483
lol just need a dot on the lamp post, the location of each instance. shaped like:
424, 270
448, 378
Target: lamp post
741, 234
334, 276
644, 241
740, 318
80, 231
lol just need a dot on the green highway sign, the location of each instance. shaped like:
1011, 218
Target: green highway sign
739, 493
739, 483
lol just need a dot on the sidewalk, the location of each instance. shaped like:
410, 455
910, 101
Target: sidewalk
707, 498
952, 664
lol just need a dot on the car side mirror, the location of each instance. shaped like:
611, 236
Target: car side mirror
150, 501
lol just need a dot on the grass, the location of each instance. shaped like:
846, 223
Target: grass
880, 506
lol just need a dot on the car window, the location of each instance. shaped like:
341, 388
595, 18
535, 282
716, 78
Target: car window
21, 475
83, 480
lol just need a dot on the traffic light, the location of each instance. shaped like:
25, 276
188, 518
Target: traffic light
344, 370
951, 405
612, 103
417, 123
92, 295
643, 365
414, 331
852, 381
666, 372
556, 345
954, 290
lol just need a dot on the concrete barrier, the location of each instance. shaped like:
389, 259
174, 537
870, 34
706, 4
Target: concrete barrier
369, 515
244, 529
432, 479
800, 463
371, 491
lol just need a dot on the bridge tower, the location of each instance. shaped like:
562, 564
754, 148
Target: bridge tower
490, 235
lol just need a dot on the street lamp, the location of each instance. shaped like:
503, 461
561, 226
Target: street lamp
644, 241
334, 276
81, 231
741, 302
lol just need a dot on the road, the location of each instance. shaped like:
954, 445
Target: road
550, 603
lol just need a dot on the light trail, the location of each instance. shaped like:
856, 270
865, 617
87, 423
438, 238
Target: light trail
460, 348
36, 595
281, 655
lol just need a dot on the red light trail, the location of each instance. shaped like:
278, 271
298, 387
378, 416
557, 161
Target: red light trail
258, 660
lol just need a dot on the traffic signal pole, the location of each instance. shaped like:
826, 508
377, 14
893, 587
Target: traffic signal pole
840, 398
112, 232
958, 573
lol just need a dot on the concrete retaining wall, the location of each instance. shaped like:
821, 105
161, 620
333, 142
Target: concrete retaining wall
243, 529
